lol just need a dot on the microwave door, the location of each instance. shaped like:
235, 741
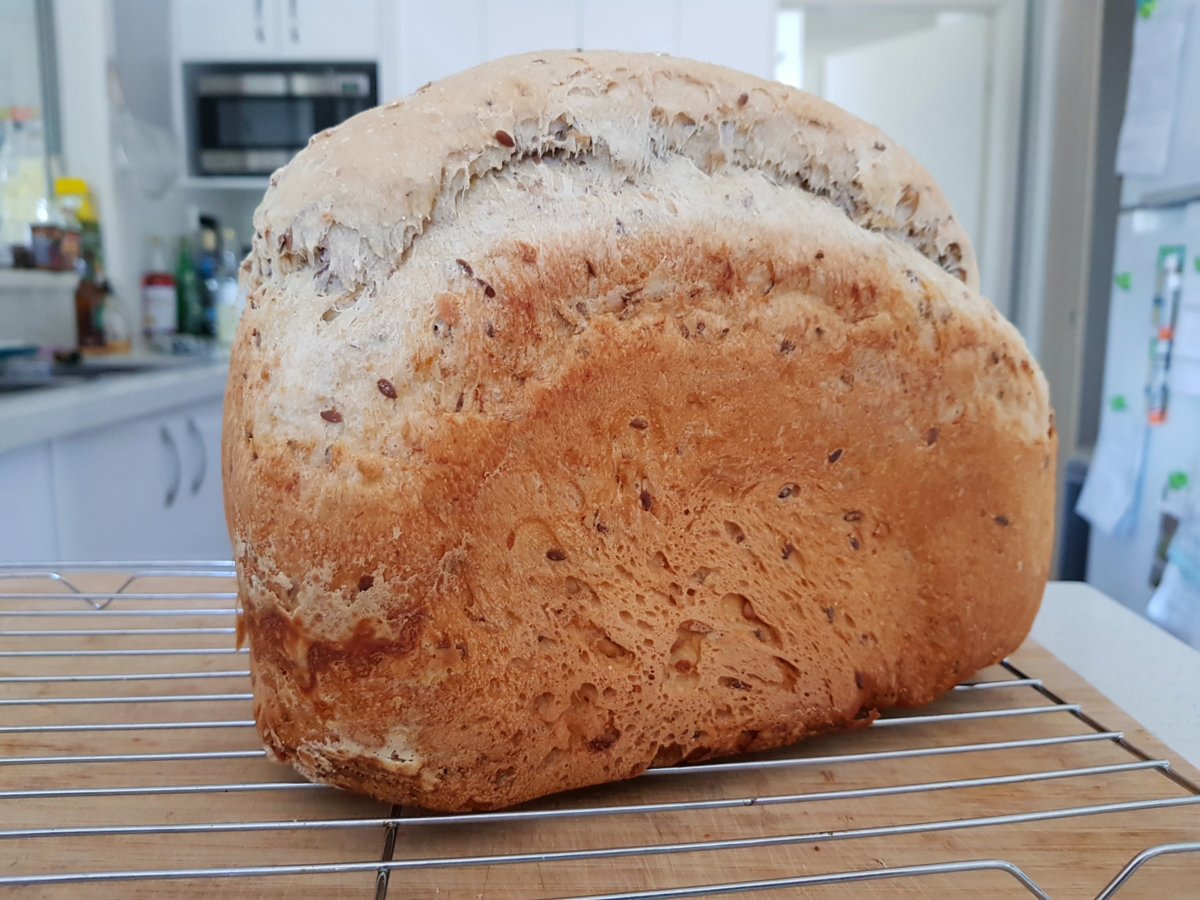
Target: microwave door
252, 135
252, 122
331, 111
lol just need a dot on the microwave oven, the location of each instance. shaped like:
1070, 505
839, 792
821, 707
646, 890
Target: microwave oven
251, 118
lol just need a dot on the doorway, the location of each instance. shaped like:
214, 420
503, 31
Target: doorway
945, 81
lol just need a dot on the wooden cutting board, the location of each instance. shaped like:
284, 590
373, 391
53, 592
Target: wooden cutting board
173, 748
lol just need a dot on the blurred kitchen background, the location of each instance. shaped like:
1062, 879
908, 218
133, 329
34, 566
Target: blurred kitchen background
137, 136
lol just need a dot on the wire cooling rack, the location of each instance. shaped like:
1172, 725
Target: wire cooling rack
129, 762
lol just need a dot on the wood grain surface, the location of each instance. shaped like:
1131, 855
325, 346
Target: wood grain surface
816, 821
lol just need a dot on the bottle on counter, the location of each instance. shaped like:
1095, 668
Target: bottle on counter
207, 267
91, 296
228, 308
188, 301
159, 311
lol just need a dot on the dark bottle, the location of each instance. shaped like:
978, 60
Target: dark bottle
92, 291
89, 311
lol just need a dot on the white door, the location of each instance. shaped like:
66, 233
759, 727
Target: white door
213, 30
27, 505
927, 90
345, 31
117, 490
201, 512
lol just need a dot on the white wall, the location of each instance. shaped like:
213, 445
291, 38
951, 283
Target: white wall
1061, 150
927, 90
142, 30
142, 52
830, 28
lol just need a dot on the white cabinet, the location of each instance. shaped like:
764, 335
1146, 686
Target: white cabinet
206, 536
345, 31
144, 489
265, 30
430, 40
27, 505
214, 30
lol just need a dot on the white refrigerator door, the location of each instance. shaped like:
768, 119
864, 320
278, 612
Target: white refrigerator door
1181, 180
1120, 567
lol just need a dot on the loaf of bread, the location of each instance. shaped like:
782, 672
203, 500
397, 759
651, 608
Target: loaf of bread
599, 411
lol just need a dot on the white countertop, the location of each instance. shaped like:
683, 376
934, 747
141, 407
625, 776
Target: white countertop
1148, 673
41, 415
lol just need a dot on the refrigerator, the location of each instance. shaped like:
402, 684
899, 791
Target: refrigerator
1144, 477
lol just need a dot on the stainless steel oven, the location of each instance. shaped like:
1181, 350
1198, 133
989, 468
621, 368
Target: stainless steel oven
250, 119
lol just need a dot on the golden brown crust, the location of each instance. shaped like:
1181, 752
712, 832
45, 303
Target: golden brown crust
664, 468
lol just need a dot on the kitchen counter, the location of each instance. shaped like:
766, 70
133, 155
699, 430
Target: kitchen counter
45, 414
1148, 673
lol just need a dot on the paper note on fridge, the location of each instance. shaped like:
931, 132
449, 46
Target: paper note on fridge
1176, 604
1150, 103
1185, 376
1109, 497
1187, 330
1185, 364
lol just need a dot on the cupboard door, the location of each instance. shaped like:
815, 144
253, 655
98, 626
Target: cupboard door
202, 527
27, 517
213, 30
117, 490
346, 31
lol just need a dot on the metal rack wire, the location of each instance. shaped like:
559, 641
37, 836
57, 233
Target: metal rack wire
90, 652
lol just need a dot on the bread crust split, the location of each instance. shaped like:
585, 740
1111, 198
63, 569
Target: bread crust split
595, 411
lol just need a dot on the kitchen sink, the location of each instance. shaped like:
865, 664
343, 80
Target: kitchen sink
22, 378
13, 384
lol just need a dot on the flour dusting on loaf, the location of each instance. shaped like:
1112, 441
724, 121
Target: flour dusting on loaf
594, 411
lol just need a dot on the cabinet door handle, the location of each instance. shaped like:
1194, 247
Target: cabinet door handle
194, 433
294, 14
176, 466
260, 33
